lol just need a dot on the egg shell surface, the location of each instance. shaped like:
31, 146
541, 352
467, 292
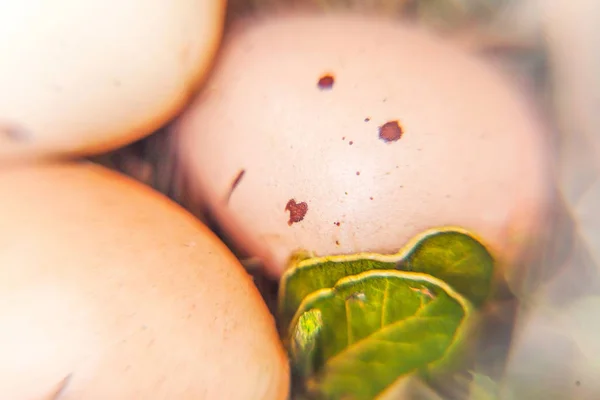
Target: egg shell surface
342, 134
108, 290
81, 78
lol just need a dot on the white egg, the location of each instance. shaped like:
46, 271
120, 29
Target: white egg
85, 77
345, 134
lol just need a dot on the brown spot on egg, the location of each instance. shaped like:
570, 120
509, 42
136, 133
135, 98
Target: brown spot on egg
326, 82
235, 183
336, 223
297, 211
351, 143
391, 131
238, 179
343, 137
61, 388
337, 242
367, 119
370, 198
357, 173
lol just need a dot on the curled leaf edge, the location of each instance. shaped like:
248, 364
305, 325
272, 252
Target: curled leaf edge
310, 259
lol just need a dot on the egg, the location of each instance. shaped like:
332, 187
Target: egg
82, 78
108, 290
339, 134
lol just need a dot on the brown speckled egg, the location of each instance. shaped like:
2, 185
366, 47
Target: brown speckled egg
354, 134
80, 78
110, 291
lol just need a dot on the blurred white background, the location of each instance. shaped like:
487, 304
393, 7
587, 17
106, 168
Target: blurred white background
556, 349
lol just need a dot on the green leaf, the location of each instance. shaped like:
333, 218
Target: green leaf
304, 341
310, 275
454, 256
358, 338
450, 254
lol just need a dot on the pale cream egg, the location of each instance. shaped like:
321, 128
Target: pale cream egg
80, 78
